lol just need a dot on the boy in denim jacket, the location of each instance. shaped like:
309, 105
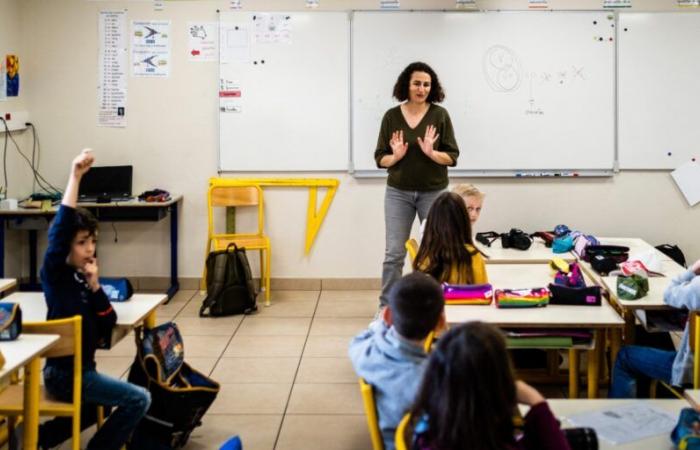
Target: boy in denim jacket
69, 276
390, 354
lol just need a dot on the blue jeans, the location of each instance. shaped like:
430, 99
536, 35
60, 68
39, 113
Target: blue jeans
400, 208
634, 362
131, 404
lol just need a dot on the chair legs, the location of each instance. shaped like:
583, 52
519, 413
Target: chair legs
266, 276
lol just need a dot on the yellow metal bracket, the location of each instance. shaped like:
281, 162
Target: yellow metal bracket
314, 215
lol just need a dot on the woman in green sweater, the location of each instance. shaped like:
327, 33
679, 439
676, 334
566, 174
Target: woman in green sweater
416, 144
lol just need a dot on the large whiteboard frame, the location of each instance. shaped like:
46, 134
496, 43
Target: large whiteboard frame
280, 121
379, 51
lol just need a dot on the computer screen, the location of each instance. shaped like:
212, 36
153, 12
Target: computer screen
110, 181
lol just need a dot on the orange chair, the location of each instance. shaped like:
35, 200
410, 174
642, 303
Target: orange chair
238, 196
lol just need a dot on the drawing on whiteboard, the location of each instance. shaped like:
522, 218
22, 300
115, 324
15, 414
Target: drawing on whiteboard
533, 110
502, 69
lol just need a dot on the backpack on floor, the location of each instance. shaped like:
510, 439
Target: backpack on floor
180, 396
230, 288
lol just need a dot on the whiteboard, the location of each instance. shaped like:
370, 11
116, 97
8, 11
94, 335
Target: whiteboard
659, 89
283, 91
525, 90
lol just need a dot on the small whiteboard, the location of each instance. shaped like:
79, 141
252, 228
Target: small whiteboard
525, 90
283, 91
659, 90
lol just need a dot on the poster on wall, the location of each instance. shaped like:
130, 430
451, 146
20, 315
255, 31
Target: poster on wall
3, 82
150, 48
12, 77
203, 38
272, 28
112, 68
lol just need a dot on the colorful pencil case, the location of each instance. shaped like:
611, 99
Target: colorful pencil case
522, 298
468, 294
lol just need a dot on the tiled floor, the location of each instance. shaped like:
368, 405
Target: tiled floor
286, 381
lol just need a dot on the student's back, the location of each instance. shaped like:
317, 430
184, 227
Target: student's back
447, 252
469, 396
389, 355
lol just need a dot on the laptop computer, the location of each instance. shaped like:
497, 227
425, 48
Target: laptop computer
106, 184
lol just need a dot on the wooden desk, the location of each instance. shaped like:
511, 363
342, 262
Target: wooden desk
636, 245
564, 408
131, 211
7, 283
25, 352
693, 397
537, 253
595, 318
141, 308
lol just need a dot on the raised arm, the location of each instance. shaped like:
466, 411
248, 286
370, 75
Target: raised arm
81, 164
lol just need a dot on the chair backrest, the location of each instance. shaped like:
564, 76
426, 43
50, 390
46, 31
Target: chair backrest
226, 196
412, 248
70, 343
400, 437
375, 433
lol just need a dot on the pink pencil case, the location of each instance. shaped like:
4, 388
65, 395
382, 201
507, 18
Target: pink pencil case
468, 294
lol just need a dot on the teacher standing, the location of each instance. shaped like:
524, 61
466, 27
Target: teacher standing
416, 144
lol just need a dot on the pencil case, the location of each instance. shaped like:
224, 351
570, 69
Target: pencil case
522, 298
467, 294
575, 296
10, 321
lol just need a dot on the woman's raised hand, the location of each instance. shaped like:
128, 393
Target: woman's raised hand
428, 141
398, 146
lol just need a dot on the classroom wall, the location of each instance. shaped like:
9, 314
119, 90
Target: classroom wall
18, 173
172, 140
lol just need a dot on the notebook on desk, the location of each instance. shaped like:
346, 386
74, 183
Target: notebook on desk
106, 184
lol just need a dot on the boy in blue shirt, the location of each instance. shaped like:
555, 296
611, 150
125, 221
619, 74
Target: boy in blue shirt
390, 354
69, 276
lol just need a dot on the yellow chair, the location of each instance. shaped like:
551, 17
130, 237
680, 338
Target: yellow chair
69, 344
375, 434
236, 196
401, 430
412, 248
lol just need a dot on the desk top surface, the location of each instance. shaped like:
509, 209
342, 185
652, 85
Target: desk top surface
129, 313
562, 408
129, 204
537, 252
7, 283
653, 300
516, 276
17, 353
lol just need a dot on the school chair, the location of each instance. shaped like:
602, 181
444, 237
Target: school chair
219, 196
400, 436
412, 248
375, 434
69, 344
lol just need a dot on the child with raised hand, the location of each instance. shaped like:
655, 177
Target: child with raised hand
447, 251
390, 354
469, 395
69, 276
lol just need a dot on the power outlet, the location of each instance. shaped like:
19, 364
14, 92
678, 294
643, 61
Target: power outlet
16, 120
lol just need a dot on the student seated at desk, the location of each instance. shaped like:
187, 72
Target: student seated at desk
473, 200
390, 354
447, 251
469, 396
71, 286
676, 368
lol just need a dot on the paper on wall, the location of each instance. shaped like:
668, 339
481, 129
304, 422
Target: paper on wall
150, 48
3, 85
234, 43
272, 28
112, 68
687, 178
230, 96
203, 38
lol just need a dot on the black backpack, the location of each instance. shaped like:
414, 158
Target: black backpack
230, 287
673, 252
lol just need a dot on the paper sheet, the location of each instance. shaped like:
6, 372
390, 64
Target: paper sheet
234, 43
112, 68
626, 423
687, 178
150, 48
272, 28
203, 39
